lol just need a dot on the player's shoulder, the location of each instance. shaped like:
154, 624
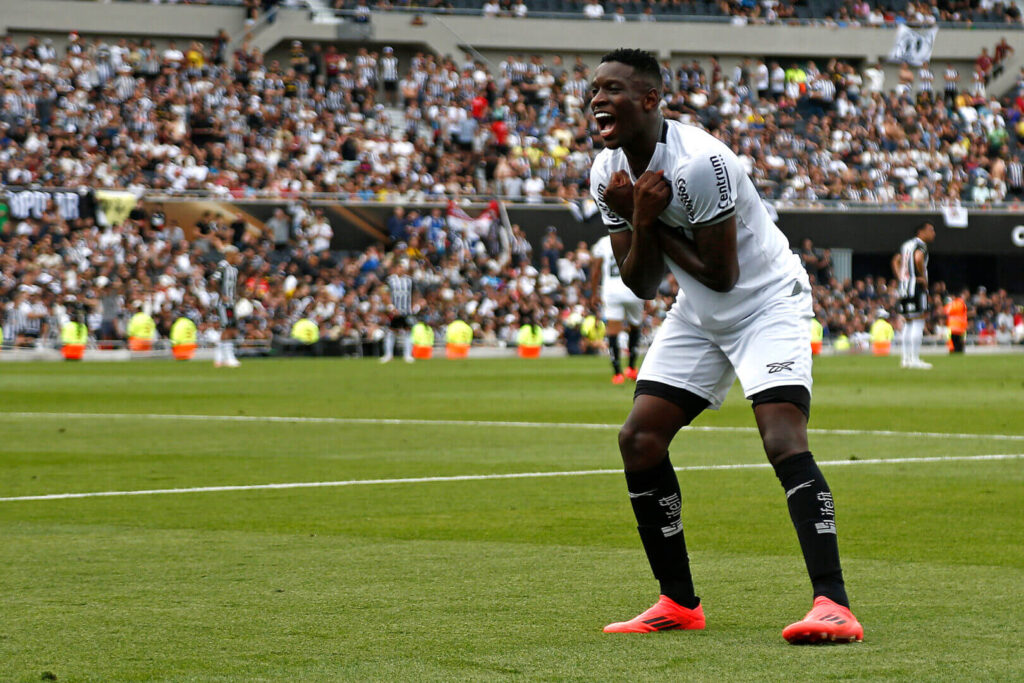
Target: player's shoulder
692, 139
605, 163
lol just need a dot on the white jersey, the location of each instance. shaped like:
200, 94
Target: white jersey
709, 186
612, 285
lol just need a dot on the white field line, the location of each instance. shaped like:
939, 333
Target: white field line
481, 423
486, 477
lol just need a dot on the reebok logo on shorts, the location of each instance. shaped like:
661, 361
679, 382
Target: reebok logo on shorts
779, 367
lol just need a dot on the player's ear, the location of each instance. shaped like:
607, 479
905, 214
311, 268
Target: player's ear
652, 100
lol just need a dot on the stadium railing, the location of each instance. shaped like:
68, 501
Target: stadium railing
825, 205
706, 12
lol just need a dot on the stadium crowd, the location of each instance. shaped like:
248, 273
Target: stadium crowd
197, 117
124, 114
53, 270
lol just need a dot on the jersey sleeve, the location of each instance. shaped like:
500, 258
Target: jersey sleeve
602, 248
706, 186
599, 178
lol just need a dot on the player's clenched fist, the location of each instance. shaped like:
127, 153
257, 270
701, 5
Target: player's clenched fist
651, 195
619, 195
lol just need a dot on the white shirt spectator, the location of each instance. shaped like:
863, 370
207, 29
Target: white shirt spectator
533, 188
874, 79
320, 234
593, 10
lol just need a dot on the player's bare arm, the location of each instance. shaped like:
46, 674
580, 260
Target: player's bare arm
710, 257
596, 266
920, 269
897, 265
636, 252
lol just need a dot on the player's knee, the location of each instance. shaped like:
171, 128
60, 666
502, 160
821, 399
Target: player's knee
780, 442
640, 447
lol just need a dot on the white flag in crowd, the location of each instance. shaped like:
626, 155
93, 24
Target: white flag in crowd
913, 45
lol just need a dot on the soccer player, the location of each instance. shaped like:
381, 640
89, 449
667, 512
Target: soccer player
400, 287
910, 266
227, 277
619, 305
673, 195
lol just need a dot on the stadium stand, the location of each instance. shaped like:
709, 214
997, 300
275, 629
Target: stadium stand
840, 13
219, 119
126, 114
52, 268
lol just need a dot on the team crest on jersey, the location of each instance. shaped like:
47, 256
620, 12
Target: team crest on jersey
684, 198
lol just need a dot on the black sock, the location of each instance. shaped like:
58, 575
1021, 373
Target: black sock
613, 349
634, 342
657, 504
813, 515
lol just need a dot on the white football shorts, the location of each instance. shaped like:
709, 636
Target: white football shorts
771, 348
625, 307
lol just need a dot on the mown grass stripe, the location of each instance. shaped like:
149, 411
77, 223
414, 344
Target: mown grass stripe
483, 423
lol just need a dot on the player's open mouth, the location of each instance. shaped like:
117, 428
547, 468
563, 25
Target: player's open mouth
605, 123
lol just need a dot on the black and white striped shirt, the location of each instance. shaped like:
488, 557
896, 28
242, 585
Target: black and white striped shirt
124, 86
227, 274
926, 77
334, 99
952, 79
401, 293
389, 68
104, 71
1015, 174
824, 89
908, 268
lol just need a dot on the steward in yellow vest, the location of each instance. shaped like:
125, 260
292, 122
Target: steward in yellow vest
817, 334
422, 336
183, 331
183, 338
458, 337
529, 339
141, 330
881, 335
306, 331
73, 337
74, 333
593, 328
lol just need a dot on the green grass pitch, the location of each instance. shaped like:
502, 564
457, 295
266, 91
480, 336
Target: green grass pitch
492, 579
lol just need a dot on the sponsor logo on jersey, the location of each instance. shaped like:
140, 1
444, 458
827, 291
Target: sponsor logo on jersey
684, 198
779, 367
605, 209
722, 182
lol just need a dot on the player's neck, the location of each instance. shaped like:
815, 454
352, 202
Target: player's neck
640, 152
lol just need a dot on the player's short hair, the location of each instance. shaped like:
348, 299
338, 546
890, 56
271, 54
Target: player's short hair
920, 227
643, 62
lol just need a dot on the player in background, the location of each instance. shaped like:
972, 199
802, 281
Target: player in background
619, 305
910, 266
400, 289
673, 195
227, 279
